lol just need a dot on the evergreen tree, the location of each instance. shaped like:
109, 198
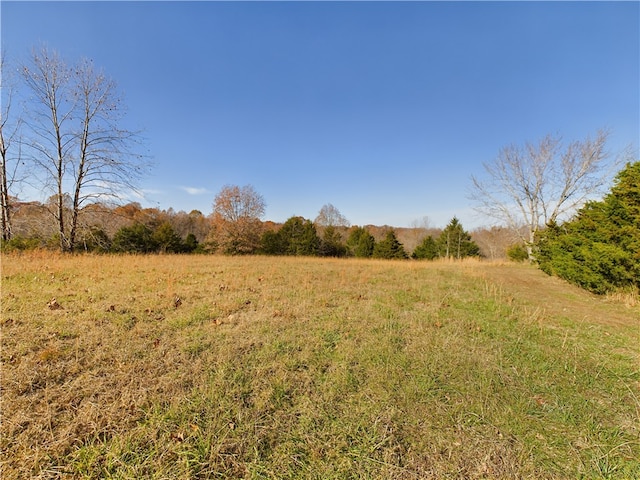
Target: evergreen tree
271, 243
427, 250
190, 244
390, 247
166, 239
360, 243
331, 243
137, 238
455, 242
299, 237
599, 249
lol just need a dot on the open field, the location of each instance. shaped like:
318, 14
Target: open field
217, 367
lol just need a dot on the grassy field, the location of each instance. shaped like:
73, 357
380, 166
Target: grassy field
214, 367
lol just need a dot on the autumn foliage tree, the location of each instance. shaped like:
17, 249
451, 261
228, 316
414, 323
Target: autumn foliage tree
237, 213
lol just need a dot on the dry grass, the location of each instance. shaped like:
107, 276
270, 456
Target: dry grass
215, 367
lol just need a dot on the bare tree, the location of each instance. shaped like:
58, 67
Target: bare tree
106, 163
50, 107
77, 141
540, 184
495, 241
418, 230
9, 141
330, 216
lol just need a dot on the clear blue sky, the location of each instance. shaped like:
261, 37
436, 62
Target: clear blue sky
383, 109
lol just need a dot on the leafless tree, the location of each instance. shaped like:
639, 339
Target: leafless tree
10, 125
77, 141
495, 241
540, 184
418, 230
330, 216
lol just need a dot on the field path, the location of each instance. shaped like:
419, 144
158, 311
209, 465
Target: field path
557, 297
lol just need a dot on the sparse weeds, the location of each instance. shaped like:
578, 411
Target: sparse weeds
309, 368
629, 298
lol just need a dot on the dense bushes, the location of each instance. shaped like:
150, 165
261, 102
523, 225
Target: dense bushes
136, 238
19, 243
139, 238
599, 249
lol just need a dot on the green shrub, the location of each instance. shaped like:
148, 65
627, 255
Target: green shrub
20, 243
517, 253
137, 238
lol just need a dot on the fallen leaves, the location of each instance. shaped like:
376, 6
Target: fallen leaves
54, 305
540, 400
49, 354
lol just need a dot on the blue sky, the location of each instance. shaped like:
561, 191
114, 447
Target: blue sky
383, 109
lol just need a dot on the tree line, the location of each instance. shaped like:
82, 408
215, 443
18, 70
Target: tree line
597, 249
133, 229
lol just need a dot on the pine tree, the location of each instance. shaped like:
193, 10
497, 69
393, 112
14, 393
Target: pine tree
390, 247
427, 250
137, 238
455, 242
271, 243
331, 243
166, 239
298, 236
360, 243
599, 249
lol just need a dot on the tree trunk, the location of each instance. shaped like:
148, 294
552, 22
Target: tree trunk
5, 203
